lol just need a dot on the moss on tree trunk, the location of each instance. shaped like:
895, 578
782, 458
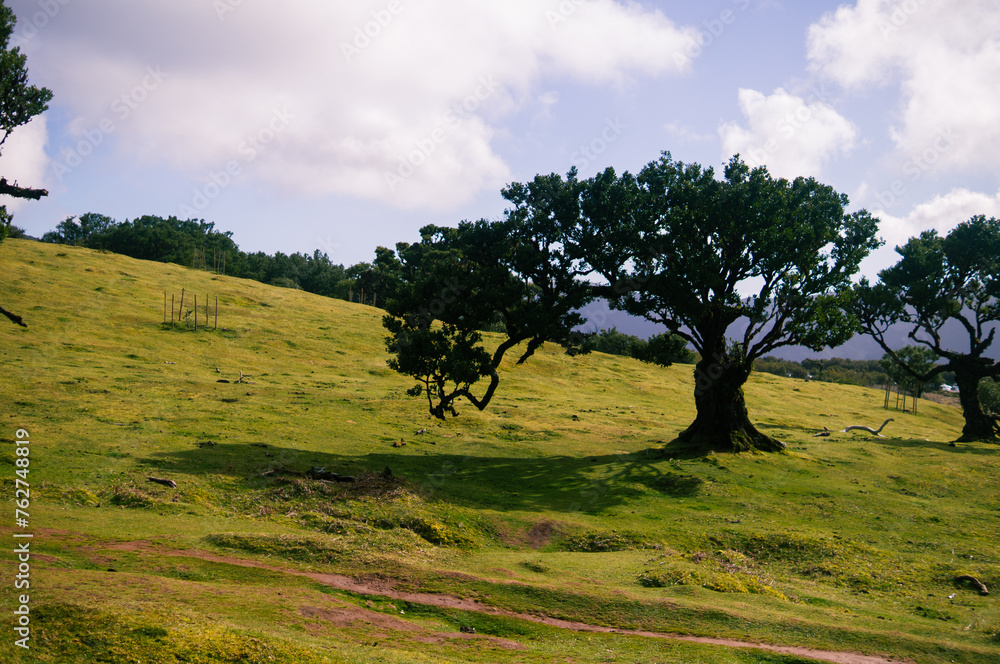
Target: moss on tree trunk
723, 423
978, 425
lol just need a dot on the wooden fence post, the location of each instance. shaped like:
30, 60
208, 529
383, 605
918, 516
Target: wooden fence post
196, 312
171, 310
216, 312
164, 307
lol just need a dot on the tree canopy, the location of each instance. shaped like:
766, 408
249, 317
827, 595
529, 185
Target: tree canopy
696, 253
511, 275
939, 281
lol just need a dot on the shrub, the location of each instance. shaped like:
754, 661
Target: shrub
720, 582
128, 495
670, 577
989, 396
600, 541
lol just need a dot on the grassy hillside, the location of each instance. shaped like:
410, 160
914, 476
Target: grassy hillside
561, 500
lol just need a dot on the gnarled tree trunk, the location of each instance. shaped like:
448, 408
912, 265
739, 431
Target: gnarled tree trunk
722, 423
978, 425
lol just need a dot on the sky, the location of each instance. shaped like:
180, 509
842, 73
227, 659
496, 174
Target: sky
342, 126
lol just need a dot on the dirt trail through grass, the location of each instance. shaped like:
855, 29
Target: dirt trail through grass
386, 588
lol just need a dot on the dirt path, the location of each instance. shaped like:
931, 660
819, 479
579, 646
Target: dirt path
445, 601
387, 589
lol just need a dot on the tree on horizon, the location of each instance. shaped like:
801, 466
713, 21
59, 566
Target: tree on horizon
938, 280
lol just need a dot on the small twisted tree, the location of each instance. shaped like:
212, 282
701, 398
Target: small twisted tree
509, 275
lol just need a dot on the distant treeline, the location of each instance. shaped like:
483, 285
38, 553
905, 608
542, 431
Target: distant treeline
195, 243
867, 373
659, 349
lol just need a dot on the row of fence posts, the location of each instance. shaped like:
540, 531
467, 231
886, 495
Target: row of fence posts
180, 311
900, 397
173, 311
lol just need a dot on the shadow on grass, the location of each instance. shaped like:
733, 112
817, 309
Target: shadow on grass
556, 483
677, 449
980, 448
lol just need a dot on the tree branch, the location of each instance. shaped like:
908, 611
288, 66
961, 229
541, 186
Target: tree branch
481, 403
487, 396
21, 192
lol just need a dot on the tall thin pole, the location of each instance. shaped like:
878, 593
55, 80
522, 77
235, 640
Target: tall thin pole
171, 310
216, 312
196, 312
164, 307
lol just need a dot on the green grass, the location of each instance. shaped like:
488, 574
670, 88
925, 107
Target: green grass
562, 499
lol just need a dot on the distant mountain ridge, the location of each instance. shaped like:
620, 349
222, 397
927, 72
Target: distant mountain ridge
861, 347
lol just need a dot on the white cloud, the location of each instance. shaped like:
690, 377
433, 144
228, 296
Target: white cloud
23, 159
688, 134
545, 103
790, 135
941, 213
389, 100
945, 58
603, 40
